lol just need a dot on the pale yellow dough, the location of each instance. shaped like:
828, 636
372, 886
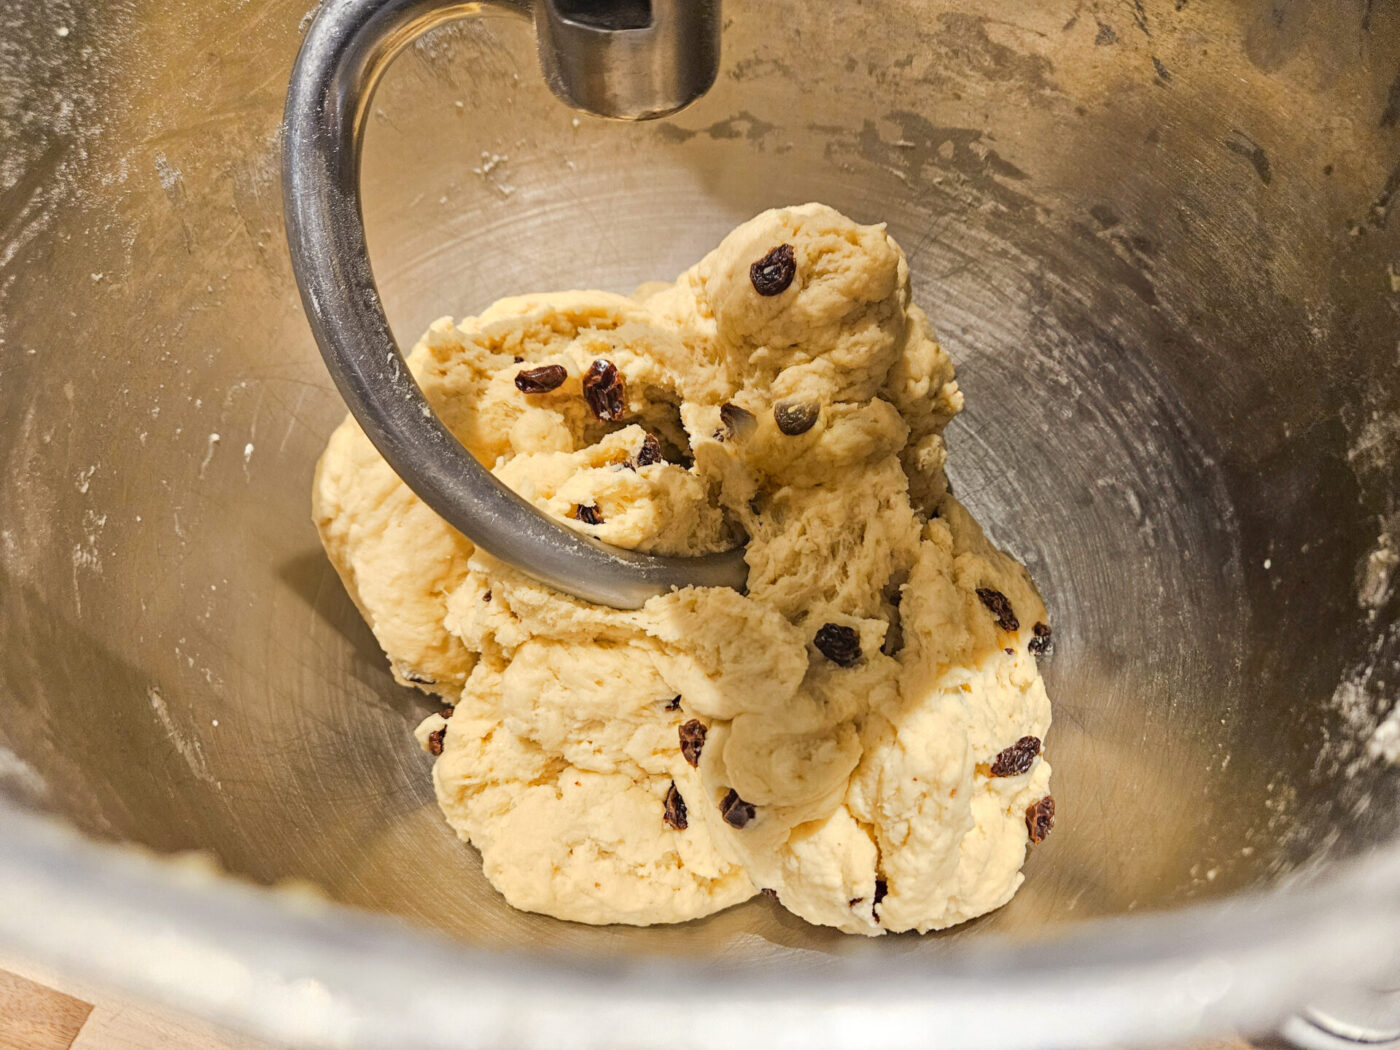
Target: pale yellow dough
562, 747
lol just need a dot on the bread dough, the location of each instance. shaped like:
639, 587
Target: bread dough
871, 788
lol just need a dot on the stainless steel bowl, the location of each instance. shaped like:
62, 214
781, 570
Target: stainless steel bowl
1157, 239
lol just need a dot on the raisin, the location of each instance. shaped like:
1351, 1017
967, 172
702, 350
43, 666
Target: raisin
854, 901
589, 514
435, 739
1016, 759
605, 390
882, 889
1009, 651
738, 422
692, 740
486, 597
540, 380
996, 602
674, 814
1040, 818
772, 274
649, 453
673, 704
1041, 644
735, 811
838, 643
795, 417
448, 712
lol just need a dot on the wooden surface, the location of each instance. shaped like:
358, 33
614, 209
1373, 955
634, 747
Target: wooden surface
33, 1017
41, 1011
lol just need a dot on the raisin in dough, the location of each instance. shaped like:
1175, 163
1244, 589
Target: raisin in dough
868, 790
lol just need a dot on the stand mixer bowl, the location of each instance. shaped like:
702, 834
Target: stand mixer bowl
1156, 239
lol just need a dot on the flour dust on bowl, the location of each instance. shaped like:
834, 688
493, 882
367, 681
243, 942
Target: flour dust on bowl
1157, 244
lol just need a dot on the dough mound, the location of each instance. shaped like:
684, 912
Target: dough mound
853, 703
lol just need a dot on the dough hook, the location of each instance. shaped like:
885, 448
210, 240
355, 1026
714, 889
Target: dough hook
626, 59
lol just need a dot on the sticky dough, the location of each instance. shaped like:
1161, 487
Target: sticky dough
873, 780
